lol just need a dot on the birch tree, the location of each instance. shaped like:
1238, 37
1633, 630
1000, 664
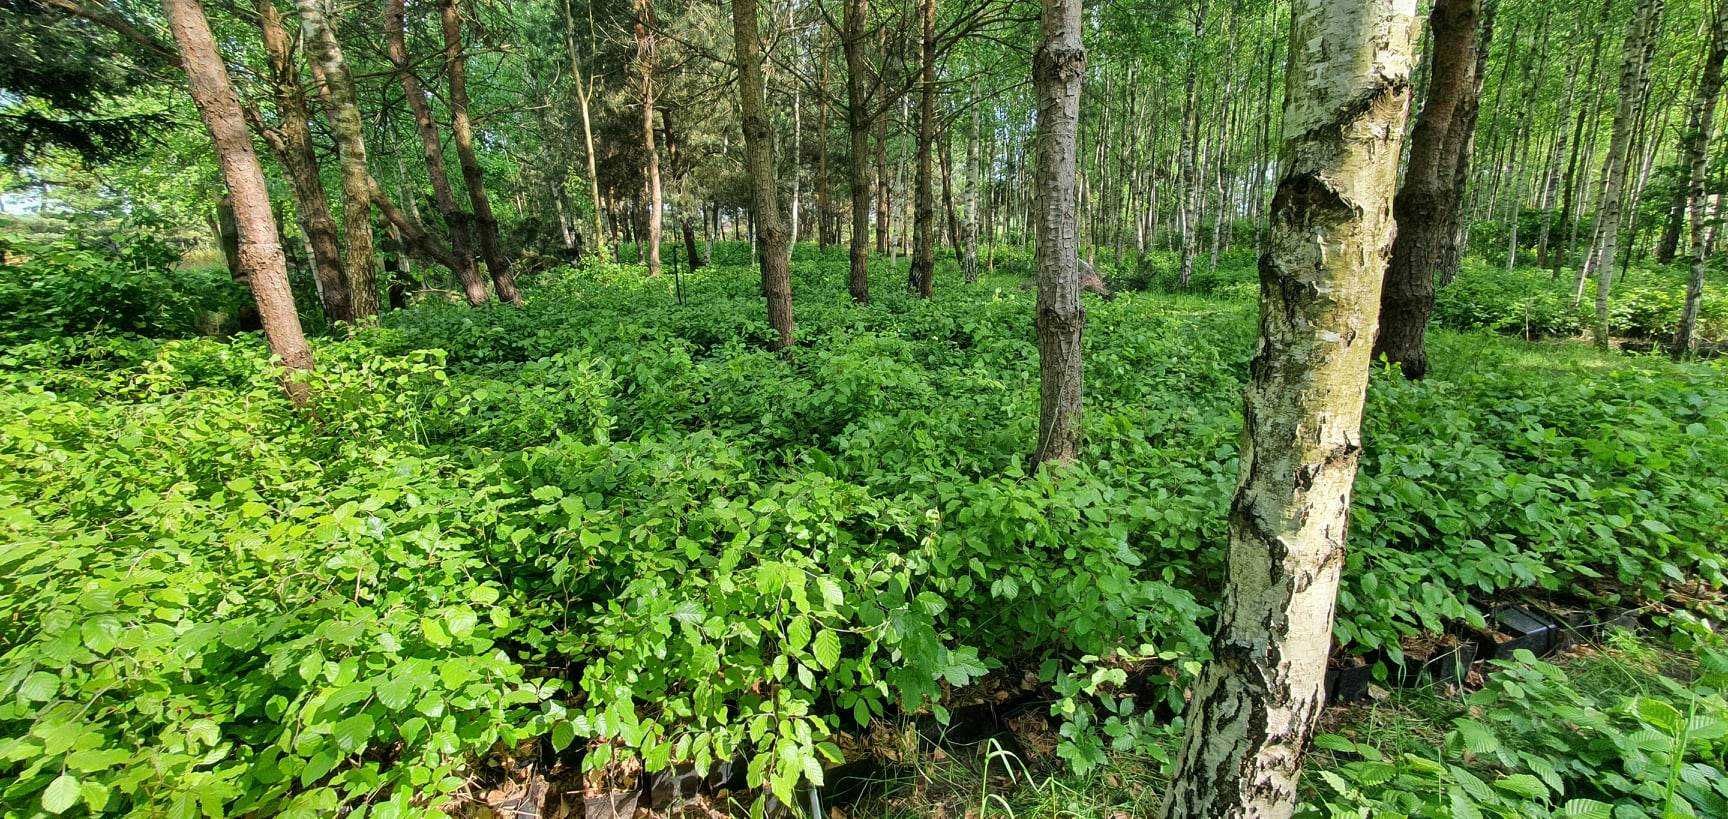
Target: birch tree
1639, 50
1696, 151
1253, 708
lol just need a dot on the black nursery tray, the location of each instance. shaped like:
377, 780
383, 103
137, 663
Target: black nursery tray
1514, 627
1445, 663
1347, 679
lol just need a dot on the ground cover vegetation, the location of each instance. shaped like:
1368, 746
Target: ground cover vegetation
654, 537
570, 407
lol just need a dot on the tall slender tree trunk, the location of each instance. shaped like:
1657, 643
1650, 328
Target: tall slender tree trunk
456, 220
1254, 706
1430, 192
1057, 70
923, 268
360, 262
858, 133
771, 237
259, 243
291, 142
884, 203
969, 257
1568, 219
651, 156
824, 196
1551, 175
584, 90
1188, 206
1639, 50
462, 131
1696, 153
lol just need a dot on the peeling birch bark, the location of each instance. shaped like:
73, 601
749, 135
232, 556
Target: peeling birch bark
1253, 708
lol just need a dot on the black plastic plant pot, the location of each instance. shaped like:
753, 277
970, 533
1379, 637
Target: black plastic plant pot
1448, 662
1347, 679
1513, 627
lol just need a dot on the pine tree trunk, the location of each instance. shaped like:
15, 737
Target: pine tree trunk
884, 205
969, 256
360, 263
292, 145
1430, 192
259, 244
462, 131
456, 221
651, 156
922, 271
1639, 50
1058, 67
1696, 154
858, 132
824, 196
771, 237
1254, 706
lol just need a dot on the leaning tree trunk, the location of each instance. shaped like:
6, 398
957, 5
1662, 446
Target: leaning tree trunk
923, 267
485, 223
857, 163
361, 262
260, 245
1639, 50
291, 142
1057, 69
1431, 190
1254, 706
1697, 159
456, 220
651, 164
771, 237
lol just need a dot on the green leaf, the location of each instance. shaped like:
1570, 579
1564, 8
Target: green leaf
827, 649
563, 733
434, 632
1523, 785
39, 687
353, 733
798, 633
61, 794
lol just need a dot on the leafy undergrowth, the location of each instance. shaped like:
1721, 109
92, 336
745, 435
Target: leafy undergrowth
1630, 727
617, 526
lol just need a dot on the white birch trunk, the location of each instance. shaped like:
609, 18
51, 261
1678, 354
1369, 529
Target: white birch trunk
1254, 706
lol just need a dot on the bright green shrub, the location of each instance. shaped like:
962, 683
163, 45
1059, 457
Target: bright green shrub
622, 524
66, 288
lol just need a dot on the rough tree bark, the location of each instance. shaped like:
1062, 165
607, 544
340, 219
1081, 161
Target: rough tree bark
644, 29
921, 272
1697, 160
584, 90
462, 129
1639, 50
291, 142
361, 262
1430, 192
1057, 69
858, 129
260, 245
771, 237
1254, 706
456, 221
